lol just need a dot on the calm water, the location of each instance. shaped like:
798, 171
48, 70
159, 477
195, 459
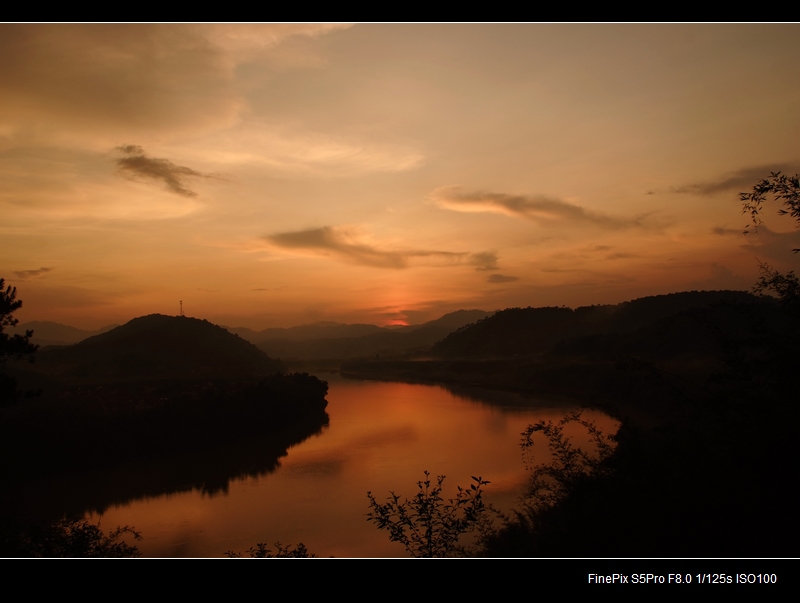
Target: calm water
381, 437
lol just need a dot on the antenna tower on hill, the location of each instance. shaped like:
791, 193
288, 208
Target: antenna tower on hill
181, 307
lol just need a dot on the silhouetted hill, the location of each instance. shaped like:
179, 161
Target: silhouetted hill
560, 351
532, 331
158, 347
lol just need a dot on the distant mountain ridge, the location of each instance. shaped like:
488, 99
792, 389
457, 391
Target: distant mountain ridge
46, 332
316, 330
340, 341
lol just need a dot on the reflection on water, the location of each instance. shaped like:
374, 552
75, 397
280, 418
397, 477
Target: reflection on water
381, 437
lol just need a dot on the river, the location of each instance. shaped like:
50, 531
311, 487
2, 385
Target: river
381, 437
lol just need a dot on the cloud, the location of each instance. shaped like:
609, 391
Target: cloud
538, 208
501, 278
719, 230
294, 149
486, 260
26, 275
722, 278
135, 163
740, 181
778, 246
332, 242
135, 77
342, 244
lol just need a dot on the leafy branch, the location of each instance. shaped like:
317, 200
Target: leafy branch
784, 188
785, 286
551, 482
79, 538
262, 551
427, 525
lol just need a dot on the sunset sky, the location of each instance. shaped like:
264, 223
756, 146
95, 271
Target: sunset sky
279, 174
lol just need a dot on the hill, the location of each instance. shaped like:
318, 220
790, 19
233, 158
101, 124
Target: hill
158, 347
696, 335
517, 332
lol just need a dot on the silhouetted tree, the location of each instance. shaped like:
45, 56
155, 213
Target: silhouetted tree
262, 551
11, 346
550, 482
77, 538
427, 525
785, 286
783, 188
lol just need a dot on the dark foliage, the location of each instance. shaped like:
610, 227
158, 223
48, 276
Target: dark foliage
785, 189
262, 551
12, 347
713, 477
427, 525
96, 427
69, 537
552, 481
785, 286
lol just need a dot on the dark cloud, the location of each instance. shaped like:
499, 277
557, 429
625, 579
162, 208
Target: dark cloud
564, 270
501, 278
776, 246
538, 207
136, 164
486, 260
726, 231
740, 181
330, 241
334, 242
593, 253
26, 275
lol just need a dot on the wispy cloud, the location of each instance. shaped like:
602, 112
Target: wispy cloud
136, 164
343, 245
533, 207
296, 150
26, 275
719, 230
739, 181
501, 278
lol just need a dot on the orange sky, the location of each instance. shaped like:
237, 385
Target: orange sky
276, 174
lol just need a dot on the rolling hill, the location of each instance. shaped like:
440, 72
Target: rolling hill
158, 347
